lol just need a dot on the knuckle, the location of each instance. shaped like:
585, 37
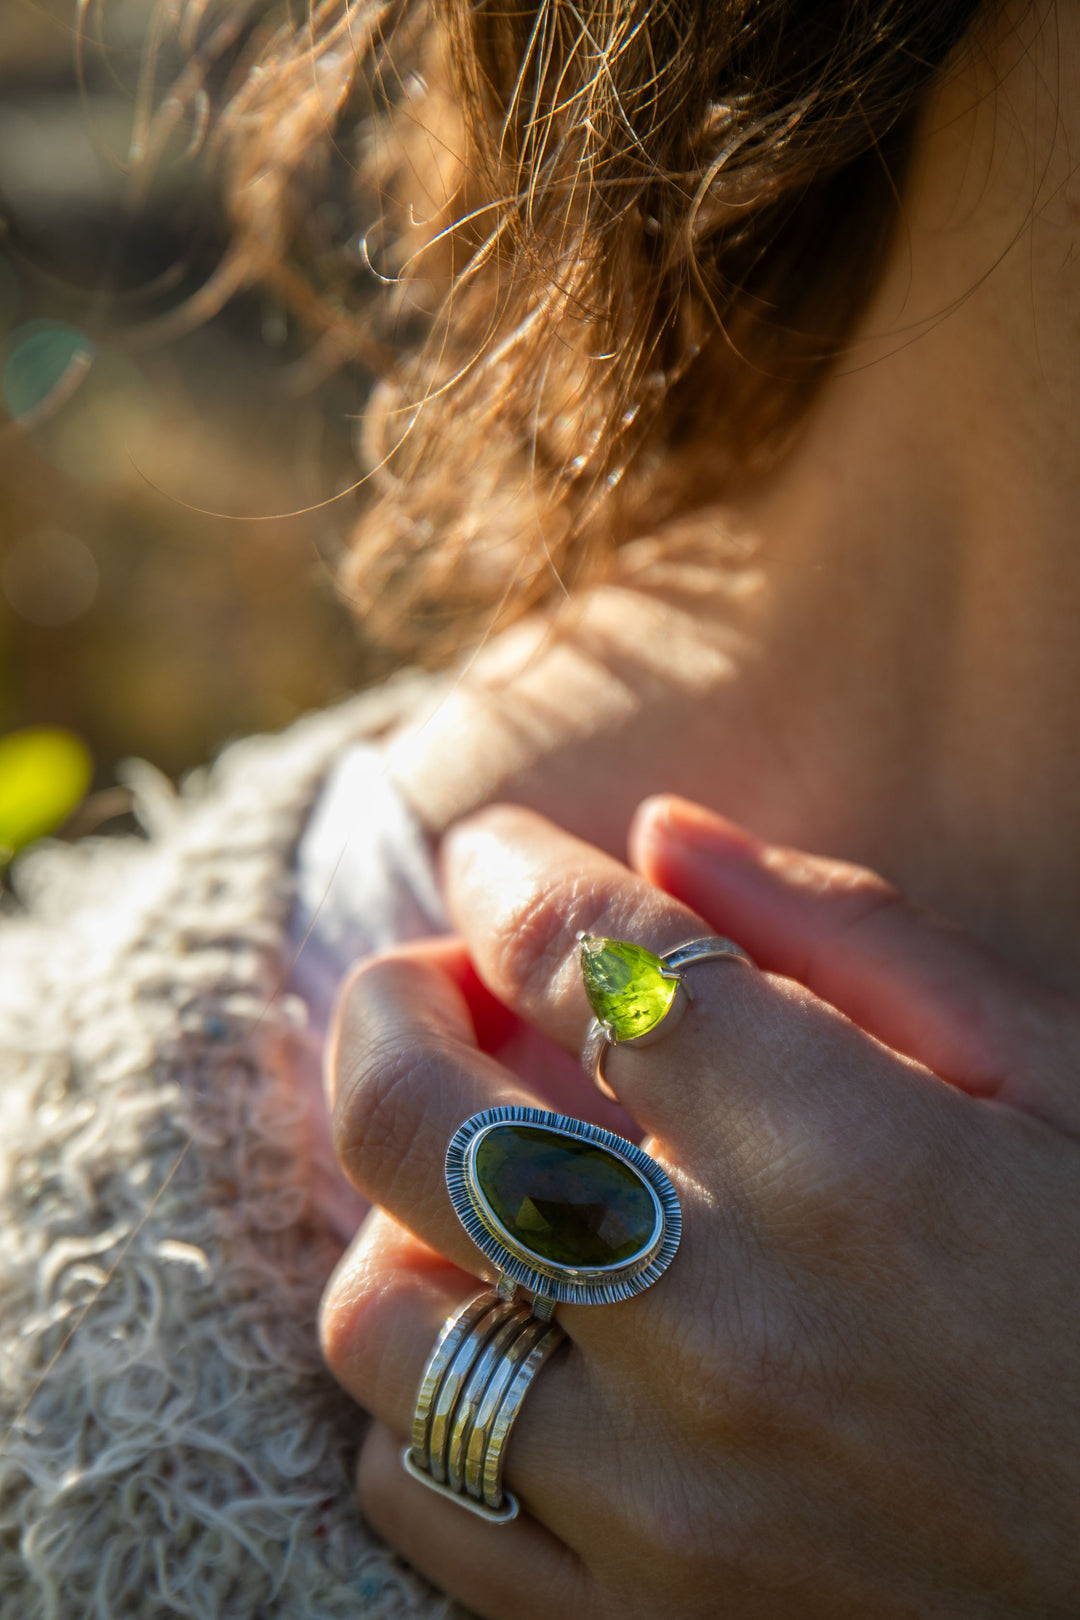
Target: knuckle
538, 932
374, 1353
705, 1520
771, 1377
678, 1527
854, 892
859, 903
754, 1390
531, 944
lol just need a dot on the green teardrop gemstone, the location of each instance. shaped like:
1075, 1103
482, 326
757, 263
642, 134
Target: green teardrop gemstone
625, 985
564, 1199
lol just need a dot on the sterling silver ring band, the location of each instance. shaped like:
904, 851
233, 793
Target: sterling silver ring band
471, 1392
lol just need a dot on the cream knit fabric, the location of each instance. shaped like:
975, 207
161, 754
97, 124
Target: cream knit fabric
170, 1444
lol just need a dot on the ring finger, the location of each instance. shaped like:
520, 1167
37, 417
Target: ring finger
380, 1317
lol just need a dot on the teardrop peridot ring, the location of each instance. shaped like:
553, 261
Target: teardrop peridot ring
638, 997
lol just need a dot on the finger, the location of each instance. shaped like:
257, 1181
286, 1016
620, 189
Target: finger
483, 1018
404, 1076
542, 1067
386, 1300
520, 890
403, 1072
380, 1316
518, 1569
484, 1022
911, 979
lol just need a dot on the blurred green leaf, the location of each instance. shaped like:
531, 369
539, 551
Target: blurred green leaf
44, 361
44, 773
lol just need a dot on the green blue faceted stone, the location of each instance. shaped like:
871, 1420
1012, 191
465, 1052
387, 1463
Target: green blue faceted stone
566, 1200
625, 985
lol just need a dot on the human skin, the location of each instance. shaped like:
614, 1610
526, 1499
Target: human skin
856, 1390
883, 664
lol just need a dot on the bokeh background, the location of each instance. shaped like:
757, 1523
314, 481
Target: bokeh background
152, 604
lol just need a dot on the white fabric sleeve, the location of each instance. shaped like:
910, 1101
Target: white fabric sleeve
365, 879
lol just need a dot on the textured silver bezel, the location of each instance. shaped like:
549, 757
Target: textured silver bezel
568, 1285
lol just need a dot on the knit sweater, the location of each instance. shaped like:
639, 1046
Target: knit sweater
170, 1443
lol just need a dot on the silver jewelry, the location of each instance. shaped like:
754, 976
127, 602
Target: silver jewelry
564, 1210
472, 1390
638, 997
569, 1211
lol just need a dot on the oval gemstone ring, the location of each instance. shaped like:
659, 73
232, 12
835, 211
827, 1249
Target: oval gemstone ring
638, 997
569, 1211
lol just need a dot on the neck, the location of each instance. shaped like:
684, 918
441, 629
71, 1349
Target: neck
922, 539
888, 668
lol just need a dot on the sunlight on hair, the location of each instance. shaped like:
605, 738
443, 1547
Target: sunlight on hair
584, 231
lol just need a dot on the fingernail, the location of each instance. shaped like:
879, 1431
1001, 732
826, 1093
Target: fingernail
702, 830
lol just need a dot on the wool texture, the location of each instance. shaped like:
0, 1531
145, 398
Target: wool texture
170, 1443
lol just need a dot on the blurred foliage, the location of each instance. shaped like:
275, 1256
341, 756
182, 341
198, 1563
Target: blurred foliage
41, 365
44, 773
151, 602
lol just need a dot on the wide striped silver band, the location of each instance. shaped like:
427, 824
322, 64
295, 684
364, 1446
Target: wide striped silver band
470, 1394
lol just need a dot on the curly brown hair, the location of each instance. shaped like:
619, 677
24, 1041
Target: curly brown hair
598, 228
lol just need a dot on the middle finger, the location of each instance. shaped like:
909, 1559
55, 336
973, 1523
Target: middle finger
404, 1072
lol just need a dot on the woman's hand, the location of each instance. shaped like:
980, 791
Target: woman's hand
856, 1391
